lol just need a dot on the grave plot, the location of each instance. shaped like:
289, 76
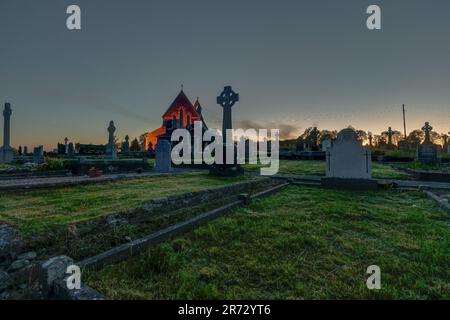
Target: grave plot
317, 168
300, 243
84, 221
40, 211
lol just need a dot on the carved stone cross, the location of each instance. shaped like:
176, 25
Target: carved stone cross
227, 100
427, 129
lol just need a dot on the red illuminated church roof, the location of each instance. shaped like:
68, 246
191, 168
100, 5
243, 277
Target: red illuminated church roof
182, 101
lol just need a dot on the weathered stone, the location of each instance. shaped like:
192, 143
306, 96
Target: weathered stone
52, 270
27, 256
347, 158
5, 281
19, 264
163, 160
7, 235
84, 293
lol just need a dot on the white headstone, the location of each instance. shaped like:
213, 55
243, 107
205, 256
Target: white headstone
347, 158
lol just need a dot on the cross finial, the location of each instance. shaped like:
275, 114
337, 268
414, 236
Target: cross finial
182, 87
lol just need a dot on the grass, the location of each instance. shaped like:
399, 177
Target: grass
316, 167
444, 168
43, 210
301, 243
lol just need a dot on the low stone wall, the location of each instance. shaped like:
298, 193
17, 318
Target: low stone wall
422, 175
135, 247
443, 203
108, 166
18, 261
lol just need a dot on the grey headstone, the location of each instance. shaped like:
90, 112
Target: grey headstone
347, 158
38, 155
70, 150
163, 160
126, 145
326, 144
111, 150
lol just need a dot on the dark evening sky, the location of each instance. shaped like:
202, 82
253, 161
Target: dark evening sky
295, 63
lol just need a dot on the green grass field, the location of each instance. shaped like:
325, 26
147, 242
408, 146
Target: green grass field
314, 167
301, 243
41, 210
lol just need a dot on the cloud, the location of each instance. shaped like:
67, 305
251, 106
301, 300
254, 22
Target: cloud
287, 131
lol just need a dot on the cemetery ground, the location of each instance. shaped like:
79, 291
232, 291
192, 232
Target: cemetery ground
40, 211
300, 243
317, 167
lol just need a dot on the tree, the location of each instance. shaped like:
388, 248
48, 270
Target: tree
415, 137
135, 145
362, 135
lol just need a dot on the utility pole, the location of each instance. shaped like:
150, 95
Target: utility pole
404, 122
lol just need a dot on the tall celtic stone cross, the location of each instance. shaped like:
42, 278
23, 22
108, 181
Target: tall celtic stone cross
427, 129
227, 99
6, 126
390, 135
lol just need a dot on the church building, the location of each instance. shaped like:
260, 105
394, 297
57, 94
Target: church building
180, 114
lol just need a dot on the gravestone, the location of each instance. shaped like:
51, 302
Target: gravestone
390, 145
313, 139
111, 150
163, 160
326, 144
126, 145
427, 152
348, 163
66, 146
38, 155
6, 152
227, 99
448, 146
70, 150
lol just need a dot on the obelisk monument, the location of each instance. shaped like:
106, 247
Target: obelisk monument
6, 153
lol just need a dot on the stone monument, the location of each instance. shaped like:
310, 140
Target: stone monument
163, 160
70, 150
38, 155
348, 163
427, 152
6, 152
227, 99
111, 150
326, 144
126, 145
390, 145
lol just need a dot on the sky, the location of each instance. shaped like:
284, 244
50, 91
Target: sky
295, 64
